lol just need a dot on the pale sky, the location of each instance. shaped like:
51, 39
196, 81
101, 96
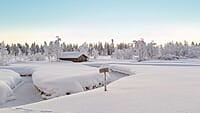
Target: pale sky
78, 21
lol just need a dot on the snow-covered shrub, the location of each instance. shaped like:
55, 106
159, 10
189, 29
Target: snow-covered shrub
37, 57
20, 58
194, 52
123, 54
117, 54
168, 57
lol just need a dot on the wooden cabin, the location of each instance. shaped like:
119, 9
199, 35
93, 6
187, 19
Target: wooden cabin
74, 57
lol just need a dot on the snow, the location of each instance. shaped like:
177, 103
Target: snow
6, 93
27, 68
178, 62
25, 93
71, 54
22, 69
8, 80
61, 79
10, 77
154, 89
120, 69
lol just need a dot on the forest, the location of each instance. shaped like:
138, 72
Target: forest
137, 49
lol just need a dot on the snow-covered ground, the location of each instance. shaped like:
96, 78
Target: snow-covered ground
107, 60
52, 79
154, 89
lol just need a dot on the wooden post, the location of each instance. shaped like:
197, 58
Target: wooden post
105, 82
104, 70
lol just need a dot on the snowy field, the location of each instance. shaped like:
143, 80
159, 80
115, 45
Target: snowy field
155, 87
108, 60
48, 80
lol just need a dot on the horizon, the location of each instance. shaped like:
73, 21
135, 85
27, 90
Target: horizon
93, 21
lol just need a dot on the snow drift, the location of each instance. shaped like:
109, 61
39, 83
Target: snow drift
63, 79
10, 77
8, 80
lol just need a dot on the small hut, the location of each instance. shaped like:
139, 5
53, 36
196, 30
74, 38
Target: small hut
74, 57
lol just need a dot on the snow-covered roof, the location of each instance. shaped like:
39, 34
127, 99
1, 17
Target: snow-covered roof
71, 54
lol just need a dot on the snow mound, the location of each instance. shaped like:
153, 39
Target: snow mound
58, 80
23, 70
6, 93
10, 77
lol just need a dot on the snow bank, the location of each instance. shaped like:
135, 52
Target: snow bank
6, 93
8, 80
63, 79
10, 77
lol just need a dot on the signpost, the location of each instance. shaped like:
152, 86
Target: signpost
104, 70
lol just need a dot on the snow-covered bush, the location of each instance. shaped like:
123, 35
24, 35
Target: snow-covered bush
168, 57
193, 52
123, 54
37, 57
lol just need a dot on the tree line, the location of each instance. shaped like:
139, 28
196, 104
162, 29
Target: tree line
137, 49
